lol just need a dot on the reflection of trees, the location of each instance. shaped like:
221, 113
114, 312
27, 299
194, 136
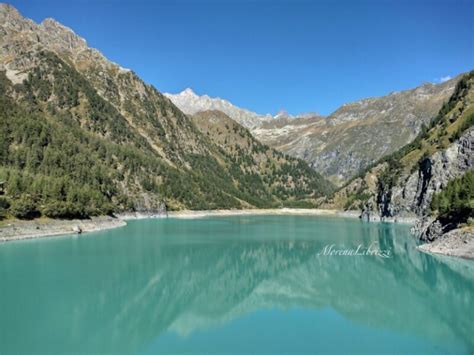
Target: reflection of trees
162, 284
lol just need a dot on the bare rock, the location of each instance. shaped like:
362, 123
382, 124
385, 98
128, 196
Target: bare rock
458, 242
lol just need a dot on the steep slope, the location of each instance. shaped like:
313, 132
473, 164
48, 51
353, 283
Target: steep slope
260, 163
430, 177
359, 133
83, 136
191, 103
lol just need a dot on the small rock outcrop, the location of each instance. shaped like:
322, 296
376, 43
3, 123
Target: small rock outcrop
432, 231
458, 242
149, 205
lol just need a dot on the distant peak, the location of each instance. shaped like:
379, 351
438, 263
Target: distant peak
188, 91
282, 114
308, 114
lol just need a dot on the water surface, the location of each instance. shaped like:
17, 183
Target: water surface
233, 285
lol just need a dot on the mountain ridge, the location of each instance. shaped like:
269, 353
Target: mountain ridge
358, 133
344, 142
135, 149
191, 103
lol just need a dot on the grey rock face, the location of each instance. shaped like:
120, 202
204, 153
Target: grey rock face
458, 242
431, 231
413, 194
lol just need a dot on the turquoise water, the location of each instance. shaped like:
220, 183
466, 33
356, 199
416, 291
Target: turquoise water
234, 285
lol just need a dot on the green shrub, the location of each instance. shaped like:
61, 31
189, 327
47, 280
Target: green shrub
456, 200
62, 209
4, 203
24, 208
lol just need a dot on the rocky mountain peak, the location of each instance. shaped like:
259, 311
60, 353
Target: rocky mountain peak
188, 92
24, 39
282, 114
11, 18
66, 37
191, 103
26, 33
8, 10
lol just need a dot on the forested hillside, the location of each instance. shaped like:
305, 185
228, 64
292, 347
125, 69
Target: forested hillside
262, 165
80, 136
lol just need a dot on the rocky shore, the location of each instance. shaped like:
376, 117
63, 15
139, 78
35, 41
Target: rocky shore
19, 230
370, 216
248, 212
44, 227
458, 243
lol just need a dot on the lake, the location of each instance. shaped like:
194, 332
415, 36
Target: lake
235, 285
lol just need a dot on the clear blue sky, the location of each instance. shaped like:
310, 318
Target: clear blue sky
267, 55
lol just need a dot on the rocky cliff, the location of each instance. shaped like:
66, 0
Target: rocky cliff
437, 165
414, 192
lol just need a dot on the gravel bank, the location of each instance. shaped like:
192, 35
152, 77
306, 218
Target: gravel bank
43, 227
458, 242
248, 212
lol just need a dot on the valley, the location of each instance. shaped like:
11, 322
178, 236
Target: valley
82, 136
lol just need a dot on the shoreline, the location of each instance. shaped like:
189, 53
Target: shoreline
457, 243
185, 214
189, 214
46, 228
16, 230
454, 244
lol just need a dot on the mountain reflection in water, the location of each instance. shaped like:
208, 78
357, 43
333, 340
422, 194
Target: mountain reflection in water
119, 290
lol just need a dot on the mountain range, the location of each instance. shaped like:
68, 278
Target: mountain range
190, 103
348, 140
81, 136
